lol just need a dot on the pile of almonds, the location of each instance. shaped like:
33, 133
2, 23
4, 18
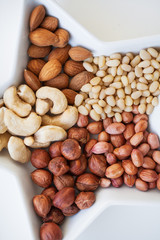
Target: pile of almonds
124, 151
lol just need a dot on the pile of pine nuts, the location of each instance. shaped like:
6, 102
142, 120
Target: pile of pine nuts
122, 83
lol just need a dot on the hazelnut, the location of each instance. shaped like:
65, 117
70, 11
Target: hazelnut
55, 215
55, 149
117, 182
42, 178
71, 210
97, 164
49, 192
105, 182
111, 158
64, 198
71, 149
117, 140
129, 180
79, 134
40, 158
65, 180
42, 205
103, 137
78, 166
50, 231
95, 127
58, 166
82, 120
87, 182
89, 145
85, 200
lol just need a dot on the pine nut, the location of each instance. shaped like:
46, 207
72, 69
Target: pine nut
95, 69
130, 55
102, 103
142, 108
136, 95
145, 55
128, 109
124, 80
116, 85
111, 101
101, 61
158, 57
153, 52
108, 79
91, 94
128, 90
144, 64
118, 117
96, 60
95, 81
113, 71
138, 71
88, 66
113, 63
92, 101
148, 76
149, 108
110, 91
120, 93
142, 100
128, 101
95, 116
146, 93
85, 95
148, 70
142, 86
88, 106
155, 64
156, 75
78, 99
102, 94
149, 99
111, 114
156, 93
116, 109
96, 89
131, 76
155, 101
119, 71
103, 115
90, 60
133, 84
121, 104
107, 109
83, 110
115, 56
117, 79
104, 68
86, 88
95, 95
97, 108
100, 73
135, 61
126, 60
153, 87
126, 67
136, 101
143, 80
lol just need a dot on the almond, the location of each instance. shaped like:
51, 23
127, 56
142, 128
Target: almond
80, 79
60, 82
35, 65
148, 175
60, 54
42, 37
72, 67
79, 53
70, 95
31, 80
50, 70
36, 17
63, 37
38, 52
50, 23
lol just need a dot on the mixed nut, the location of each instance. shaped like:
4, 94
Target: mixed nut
52, 111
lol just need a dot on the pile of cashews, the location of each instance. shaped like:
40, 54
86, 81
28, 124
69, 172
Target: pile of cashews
33, 120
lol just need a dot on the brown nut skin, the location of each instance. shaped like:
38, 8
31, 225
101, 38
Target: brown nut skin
129, 167
115, 128
55, 215
103, 137
117, 140
85, 200
141, 185
157, 168
87, 182
127, 117
49, 192
42, 205
148, 175
58, 166
137, 157
71, 149
114, 171
148, 163
97, 165
150, 153
65, 180
55, 149
95, 127
136, 139
123, 152
89, 145
106, 122
42, 178
144, 148
79, 134
82, 120
50, 231
105, 182
79, 166
153, 141
71, 210
102, 147
129, 180
152, 185
158, 182
145, 136
40, 158
156, 156
129, 131
141, 126
117, 182
64, 198
111, 158
139, 117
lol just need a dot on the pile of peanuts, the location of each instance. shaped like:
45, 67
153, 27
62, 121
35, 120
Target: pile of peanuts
122, 83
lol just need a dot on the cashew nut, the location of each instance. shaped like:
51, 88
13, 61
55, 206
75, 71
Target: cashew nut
56, 96
26, 94
13, 102
4, 138
1, 102
30, 142
17, 150
3, 127
43, 106
50, 133
65, 120
21, 126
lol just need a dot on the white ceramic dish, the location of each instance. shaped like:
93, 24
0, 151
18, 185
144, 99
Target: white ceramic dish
118, 213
